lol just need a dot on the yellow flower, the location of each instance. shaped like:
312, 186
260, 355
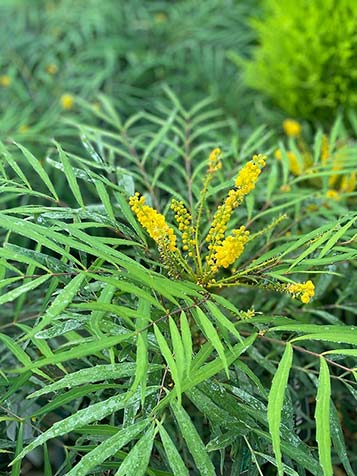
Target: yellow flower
23, 129
333, 195
5, 81
285, 188
245, 183
305, 291
154, 223
294, 164
348, 183
52, 68
160, 17
184, 219
291, 128
214, 160
67, 101
325, 149
231, 248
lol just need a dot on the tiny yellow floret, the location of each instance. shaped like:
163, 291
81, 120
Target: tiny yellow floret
67, 101
5, 81
52, 68
292, 128
305, 291
333, 195
154, 223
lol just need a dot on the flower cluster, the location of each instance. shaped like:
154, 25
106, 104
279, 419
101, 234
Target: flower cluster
214, 161
244, 183
230, 249
154, 223
294, 164
291, 128
201, 258
67, 101
184, 219
5, 81
305, 291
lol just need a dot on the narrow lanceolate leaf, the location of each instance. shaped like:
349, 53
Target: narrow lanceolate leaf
90, 375
166, 352
18, 291
41, 172
107, 449
222, 319
16, 469
186, 341
60, 303
71, 178
193, 440
335, 237
173, 456
137, 461
322, 417
177, 348
211, 335
276, 400
95, 412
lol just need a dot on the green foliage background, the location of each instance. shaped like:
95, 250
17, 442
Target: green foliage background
108, 366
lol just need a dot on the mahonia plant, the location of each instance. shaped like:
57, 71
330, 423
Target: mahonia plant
338, 183
203, 259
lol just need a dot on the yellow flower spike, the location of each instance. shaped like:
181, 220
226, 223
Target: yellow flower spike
333, 195
184, 219
5, 81
305, 291
214, 160
325, 149
154, 223
294, 164
348, 183
248, 175
51, 68
292, 128
231, 248
67, 101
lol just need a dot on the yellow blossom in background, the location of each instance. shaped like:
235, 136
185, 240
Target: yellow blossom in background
325, 149
285, 188
67, 101
305, 291
51, 68
154, 223
23, 129
291, 128
333, 195
294, 164
160, 17
348, 183
5, 81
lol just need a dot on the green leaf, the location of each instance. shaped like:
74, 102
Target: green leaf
37, 167
107, 449
71, 178
335, 237
193, 440
186, 341
16, 468
95, 412
322, 418
137, 461
18, 291
211, 334
276, 400
166, 352
173, 456
178, 349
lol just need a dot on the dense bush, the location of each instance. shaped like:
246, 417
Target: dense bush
307, 55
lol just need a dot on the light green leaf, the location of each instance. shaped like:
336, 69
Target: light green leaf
322, 418
71, 178
107, 449
18, 291
173, 456
276, 400
193, 440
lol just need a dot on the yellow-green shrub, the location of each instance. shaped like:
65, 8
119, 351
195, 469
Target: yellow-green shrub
306, 60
